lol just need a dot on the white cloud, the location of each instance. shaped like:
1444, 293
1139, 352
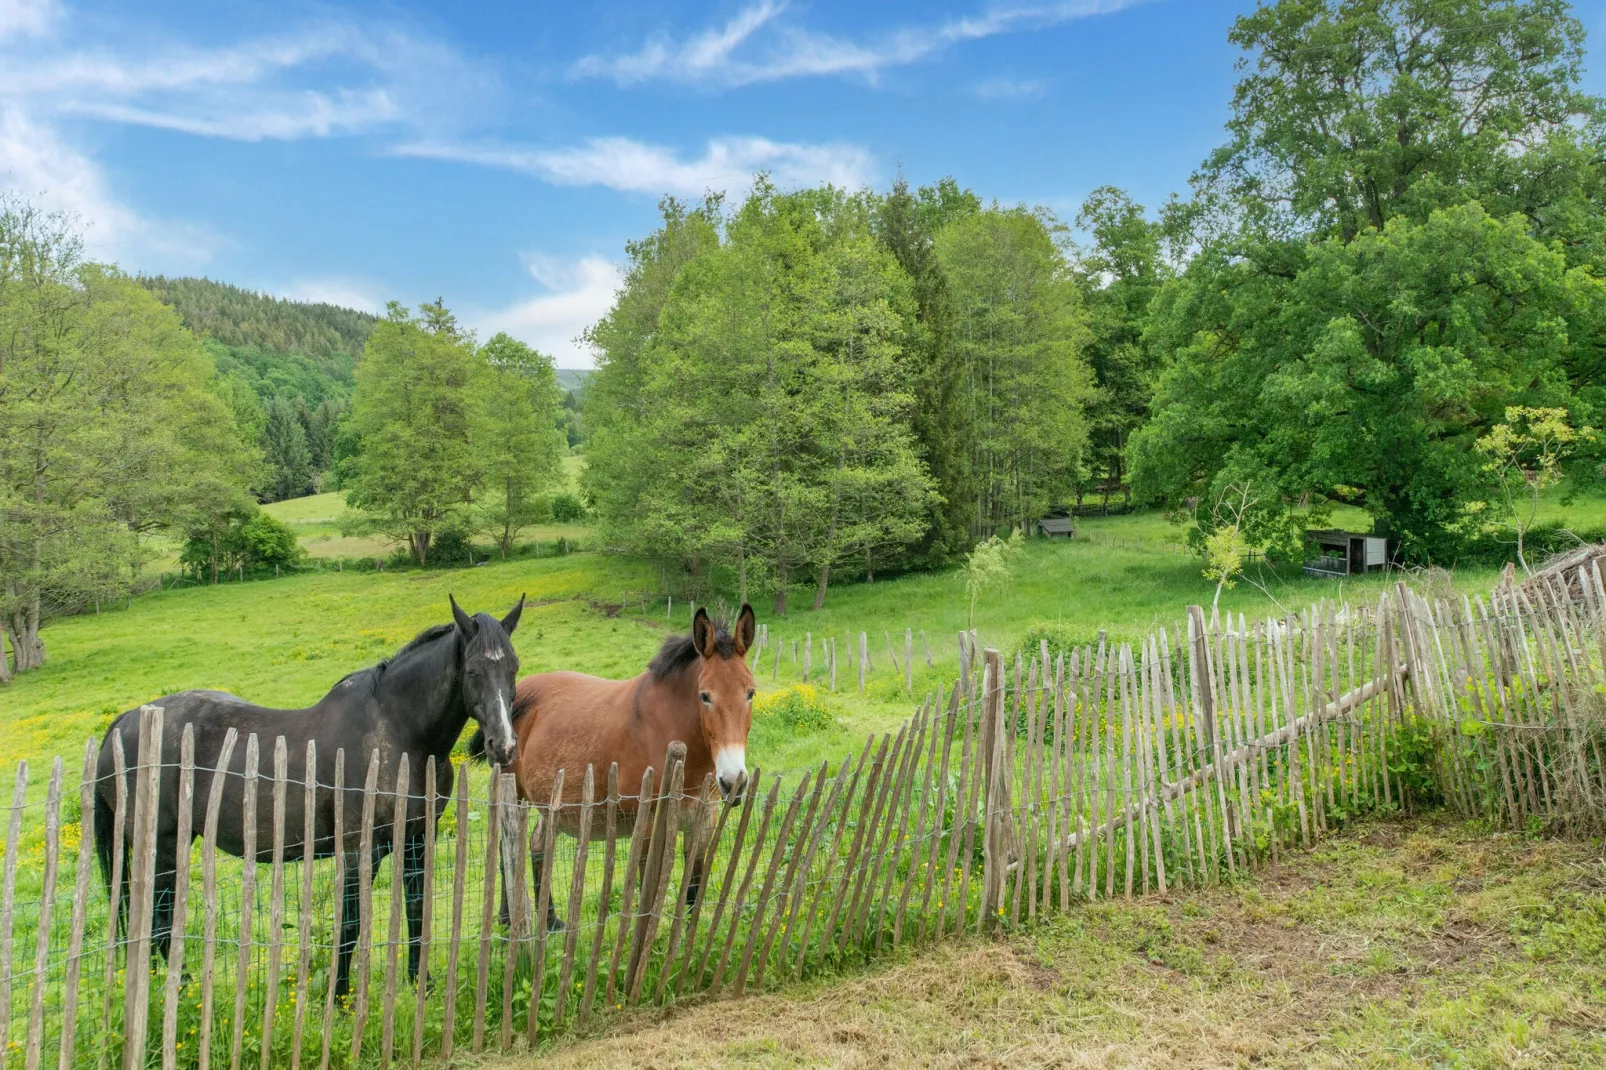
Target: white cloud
1006, 88
578, 293
26, 18
37, 164
758, 45
636, 167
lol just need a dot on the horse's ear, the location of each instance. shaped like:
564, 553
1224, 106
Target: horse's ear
465, 623
702, 633
746, 629
511, 621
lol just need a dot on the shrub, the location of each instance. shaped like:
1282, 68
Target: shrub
1063, 637
801, 709
568, 508
450, 548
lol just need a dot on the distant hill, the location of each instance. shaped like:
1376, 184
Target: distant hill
574, 380
248, 319
285, 368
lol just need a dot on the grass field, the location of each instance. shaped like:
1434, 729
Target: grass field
1400, 943
316, 521
285, 642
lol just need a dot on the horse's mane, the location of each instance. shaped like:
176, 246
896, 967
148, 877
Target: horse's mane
430, 634
680, 651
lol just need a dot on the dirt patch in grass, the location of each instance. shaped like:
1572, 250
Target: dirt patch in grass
1427, 942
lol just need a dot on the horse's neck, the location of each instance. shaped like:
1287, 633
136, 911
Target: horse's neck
421, 698
668, 709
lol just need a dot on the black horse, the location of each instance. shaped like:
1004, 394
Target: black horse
415, 703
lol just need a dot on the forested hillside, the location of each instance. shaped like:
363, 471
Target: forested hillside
285, 367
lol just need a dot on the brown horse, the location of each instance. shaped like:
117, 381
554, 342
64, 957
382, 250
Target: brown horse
697, 689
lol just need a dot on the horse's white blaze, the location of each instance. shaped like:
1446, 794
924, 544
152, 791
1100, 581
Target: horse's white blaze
493, 655
504, 721
730, 762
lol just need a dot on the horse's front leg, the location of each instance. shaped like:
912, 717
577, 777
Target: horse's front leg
537, 860
349, 923
412, 865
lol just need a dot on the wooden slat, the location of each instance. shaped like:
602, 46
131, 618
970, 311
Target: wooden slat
426, 927
514, 855
142, 890
627, 895
455, 943
937, 813
248, 887
270, 999
604, 899
854, 770
726, 881
493, 854
577, 891
214, 802
785, 910
710, 859
338, 791
740, 902
695, 844
184, 836
549, 831
898, 829
80, 908
34, 1041
850, 866
960, 836
365, 904
755, 927
398, 907
660, 860
115, 919
309, 832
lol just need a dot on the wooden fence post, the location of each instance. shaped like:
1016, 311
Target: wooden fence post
864, 659
142, 888
995, 792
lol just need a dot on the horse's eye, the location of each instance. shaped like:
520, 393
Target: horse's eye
750, 694
704, 695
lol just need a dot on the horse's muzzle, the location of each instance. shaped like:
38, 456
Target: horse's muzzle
731, 791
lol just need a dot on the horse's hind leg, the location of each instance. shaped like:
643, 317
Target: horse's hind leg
165, 885
412, 868
349, 923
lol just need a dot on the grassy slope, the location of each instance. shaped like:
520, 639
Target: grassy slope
316, 522
1395, 944
285, 642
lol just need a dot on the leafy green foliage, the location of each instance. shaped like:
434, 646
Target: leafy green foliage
516, 428
112, 424
413, 467
1018, 332
245, 541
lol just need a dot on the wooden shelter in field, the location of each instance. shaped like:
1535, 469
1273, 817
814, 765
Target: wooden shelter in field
1056, 527
1345, 553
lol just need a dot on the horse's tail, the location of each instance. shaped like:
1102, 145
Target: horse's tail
105, 829
476, 746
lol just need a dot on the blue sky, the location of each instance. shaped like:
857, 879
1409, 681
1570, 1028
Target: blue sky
500, 155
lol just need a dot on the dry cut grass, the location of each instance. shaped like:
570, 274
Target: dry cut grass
1431, 943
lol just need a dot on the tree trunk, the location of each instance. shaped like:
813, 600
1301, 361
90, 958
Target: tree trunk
420, 540
741, 572
5, 666
780, 593
819, 590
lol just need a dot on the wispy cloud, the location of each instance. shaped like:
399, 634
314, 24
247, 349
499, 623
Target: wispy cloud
322, 79
36, 163
577, 294
1006, 88
26, 18
761, 45
637, 167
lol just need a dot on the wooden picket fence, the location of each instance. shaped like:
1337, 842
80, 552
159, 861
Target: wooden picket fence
1033, 784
